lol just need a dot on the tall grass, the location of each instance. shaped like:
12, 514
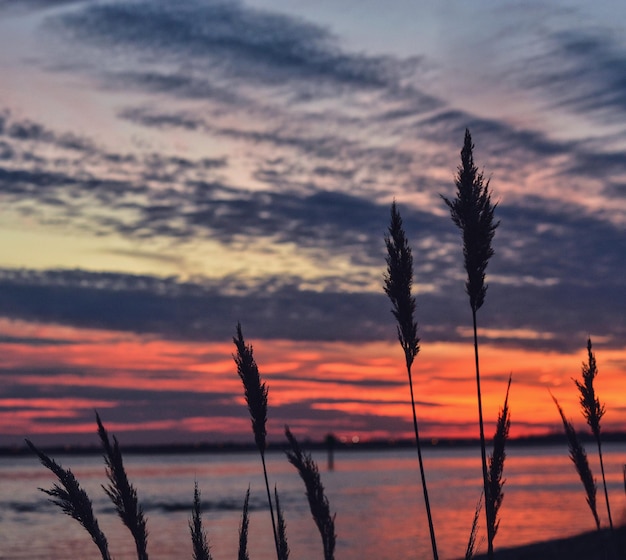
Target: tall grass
122, 493
578, 455
243, 529
318, 502
472, 545
398, 284
256, 397
473, 213
593, 412
496, 464
73, 500
199, 541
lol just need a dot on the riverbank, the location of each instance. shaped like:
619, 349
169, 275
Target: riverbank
586, 546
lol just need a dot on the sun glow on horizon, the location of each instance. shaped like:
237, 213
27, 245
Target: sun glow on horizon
145, 386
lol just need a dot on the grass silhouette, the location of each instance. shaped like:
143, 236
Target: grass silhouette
473, 212
398, 283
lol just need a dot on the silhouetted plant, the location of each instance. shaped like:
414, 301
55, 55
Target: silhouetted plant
398, 284
73, 500
256, 398
243, 530
282, 529
579, 458
593, 412
473, 213
472, 546
318, 503
122, 493
199, 541
496, 463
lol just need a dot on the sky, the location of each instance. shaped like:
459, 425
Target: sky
168, 170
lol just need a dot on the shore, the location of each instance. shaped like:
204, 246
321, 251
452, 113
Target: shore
587, 546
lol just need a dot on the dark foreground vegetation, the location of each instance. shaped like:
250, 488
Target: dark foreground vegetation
473, 213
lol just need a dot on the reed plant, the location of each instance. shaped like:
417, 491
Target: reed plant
398, 285
122, 493
593, 411
256, 398
199, 540
242, 553
73, 500
282, 529
496, 464
318, 502
472, 545
473, 213
578, 455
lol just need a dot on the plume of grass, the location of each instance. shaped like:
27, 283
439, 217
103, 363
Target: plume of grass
496, 463
282, 529
72, 500
593, 412
318, 503
256, 397
199, 539
398, 283
472, 546
579, 458
473, 213
243, 529
122, 493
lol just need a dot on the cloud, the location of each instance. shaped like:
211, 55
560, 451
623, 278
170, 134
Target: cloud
282, 310
583, 70
236, 40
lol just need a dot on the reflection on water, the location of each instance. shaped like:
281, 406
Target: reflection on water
377, 497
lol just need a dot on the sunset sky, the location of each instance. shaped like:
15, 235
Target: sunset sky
169, 169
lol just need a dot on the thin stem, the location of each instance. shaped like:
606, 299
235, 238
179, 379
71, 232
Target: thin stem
483, 451
421, 463
606, 493
269, 501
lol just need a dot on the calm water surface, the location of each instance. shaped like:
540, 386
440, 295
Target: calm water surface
377, 497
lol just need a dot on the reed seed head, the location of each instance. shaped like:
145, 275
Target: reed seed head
473, 213
283, 547
578, 455
472, 545
590, 405
199, 541
496, 463
398, 283
72, 500
122, 493
318, 502
243, 529
255, 390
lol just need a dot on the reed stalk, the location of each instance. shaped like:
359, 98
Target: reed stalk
473, 213
593, 412
73, 500
199, 541
256, 397
318, 502
397, 286
122, 493
578, 456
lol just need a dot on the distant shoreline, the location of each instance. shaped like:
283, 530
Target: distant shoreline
372, 445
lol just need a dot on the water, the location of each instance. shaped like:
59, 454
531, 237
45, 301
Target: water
376, 494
